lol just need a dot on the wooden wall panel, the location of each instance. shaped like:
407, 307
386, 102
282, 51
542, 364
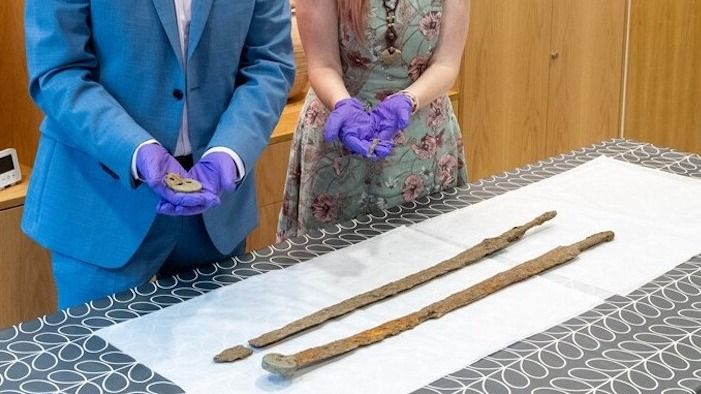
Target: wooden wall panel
264, 234
586, 73
271, 170
663, 100
19, 117
505, 93
26, 285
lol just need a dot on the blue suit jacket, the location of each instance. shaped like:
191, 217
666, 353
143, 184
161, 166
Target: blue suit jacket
106, 74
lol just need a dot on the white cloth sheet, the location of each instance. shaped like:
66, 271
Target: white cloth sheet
180, 341
653, 214
656, 217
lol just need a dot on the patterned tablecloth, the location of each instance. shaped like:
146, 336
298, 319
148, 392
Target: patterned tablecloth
646, 341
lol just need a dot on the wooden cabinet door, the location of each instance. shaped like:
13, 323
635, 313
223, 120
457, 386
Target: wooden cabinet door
26, 285
271, 171
19, 117
586, 73
663, 99
504, 95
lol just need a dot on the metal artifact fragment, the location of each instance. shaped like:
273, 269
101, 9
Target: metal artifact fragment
181, 184
232, 354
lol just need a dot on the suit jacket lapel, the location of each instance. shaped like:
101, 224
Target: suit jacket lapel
166, 12
200, 14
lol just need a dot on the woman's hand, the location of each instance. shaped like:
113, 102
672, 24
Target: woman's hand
351, 124
392, 115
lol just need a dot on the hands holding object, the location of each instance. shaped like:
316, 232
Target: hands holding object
370, 134
185, 193
169, 180
214, 173
352, 125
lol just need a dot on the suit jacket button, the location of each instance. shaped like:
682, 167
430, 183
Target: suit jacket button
178, 94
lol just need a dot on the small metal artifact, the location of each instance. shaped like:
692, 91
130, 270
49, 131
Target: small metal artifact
182, 184
232, 354
373, 146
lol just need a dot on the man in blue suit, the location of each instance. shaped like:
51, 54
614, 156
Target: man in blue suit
132, 90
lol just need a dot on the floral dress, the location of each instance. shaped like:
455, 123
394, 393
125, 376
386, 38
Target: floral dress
326, 184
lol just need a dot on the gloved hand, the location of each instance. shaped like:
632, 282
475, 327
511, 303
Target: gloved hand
166, 208
350, 123
216, 172
392, 115
371, 149
153, 162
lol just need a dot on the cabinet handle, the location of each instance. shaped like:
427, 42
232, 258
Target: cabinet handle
554, 55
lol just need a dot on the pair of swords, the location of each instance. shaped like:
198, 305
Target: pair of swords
289, 365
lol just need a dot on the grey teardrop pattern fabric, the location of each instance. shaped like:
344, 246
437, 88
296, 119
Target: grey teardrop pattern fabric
646, 342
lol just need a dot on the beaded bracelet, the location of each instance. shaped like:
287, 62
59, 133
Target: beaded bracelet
413, 98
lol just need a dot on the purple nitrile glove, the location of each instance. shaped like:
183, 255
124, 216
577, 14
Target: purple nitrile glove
371, 149
153, 162
392, 115
350, 123
216, 172
166, 208
349, 115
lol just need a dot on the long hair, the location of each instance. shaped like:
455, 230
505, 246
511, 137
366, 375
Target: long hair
353, 12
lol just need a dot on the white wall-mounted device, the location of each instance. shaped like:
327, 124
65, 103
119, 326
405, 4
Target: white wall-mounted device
10, 172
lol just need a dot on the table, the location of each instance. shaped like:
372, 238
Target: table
646, 341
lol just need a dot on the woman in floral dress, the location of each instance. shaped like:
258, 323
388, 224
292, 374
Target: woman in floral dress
384, 68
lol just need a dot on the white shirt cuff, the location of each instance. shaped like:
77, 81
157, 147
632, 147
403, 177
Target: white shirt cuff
134, 171
240, 168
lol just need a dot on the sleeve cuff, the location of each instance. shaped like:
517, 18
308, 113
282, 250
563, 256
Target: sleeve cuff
134, 171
